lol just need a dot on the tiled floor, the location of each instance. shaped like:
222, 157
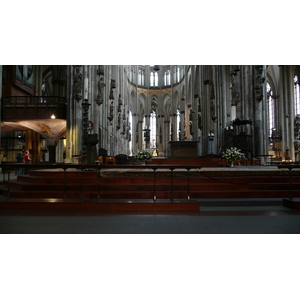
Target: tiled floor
211, 220
214, 253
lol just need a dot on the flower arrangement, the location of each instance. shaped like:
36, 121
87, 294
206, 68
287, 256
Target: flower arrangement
232, 154
143, 154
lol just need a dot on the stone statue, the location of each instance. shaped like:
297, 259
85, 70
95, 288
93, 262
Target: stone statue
77, 83
260, 79
234, 89
101, 86
297, 127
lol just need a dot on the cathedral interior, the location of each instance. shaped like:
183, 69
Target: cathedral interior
66, 113
76, 113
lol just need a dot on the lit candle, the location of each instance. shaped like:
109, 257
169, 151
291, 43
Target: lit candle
86, 90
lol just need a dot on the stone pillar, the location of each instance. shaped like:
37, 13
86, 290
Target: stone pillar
146, 127
159, 134
134, 132
74, 119
288, 114
140, 134
260, 97
166, 135
174, 126
52, 152
0, 99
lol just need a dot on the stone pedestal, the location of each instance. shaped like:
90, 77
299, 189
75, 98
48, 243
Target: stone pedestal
91, 140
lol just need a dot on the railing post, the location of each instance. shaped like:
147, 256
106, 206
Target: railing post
81, 193
188, 176
154, 187
65, 183
290, 177
99, 174
8, 184
171, 196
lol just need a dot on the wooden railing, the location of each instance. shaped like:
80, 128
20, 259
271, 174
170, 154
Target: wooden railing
290, 167
6, 170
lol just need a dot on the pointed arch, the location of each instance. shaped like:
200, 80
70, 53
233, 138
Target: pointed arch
167, 106
141, 104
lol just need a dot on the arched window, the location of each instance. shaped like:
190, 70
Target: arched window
153, 78
167, 77
297, 95
271, 110
131, 75
176, 73
141, 77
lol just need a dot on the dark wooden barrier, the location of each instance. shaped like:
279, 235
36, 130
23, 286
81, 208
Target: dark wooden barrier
98, 168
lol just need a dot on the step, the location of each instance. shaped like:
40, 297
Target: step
149, 194
117, 205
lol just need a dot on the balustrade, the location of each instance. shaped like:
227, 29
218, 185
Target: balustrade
98, 168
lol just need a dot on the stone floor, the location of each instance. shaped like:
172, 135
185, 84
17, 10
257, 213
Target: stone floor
213, 253
210, 220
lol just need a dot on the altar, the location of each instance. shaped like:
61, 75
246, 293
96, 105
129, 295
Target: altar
182, 149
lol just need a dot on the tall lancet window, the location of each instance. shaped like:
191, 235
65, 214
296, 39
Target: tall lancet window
271, 110
141, 77
153, 78
167, 77
153, 130
176, 73
131, 78
297, 95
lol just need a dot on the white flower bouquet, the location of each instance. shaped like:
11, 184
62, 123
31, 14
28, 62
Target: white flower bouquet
143, 154
232, 154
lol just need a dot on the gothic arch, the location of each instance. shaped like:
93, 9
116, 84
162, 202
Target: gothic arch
154, 104
176, 99
141, 105
167, 106
273, 78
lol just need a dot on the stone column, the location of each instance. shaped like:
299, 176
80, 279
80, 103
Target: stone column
52, 152
134, 131
288, 114
260, 97
146, 127
74, 115
166, 137
0, 100
159, 134
140, 134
